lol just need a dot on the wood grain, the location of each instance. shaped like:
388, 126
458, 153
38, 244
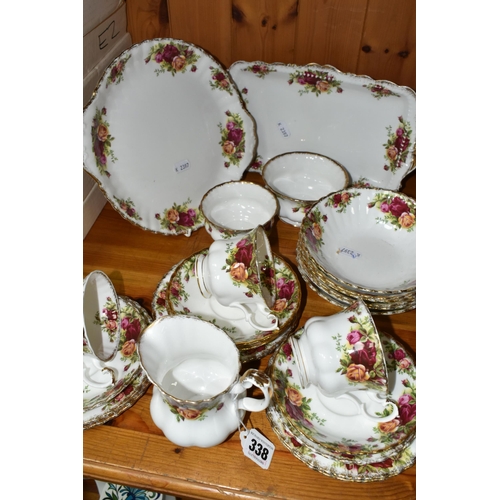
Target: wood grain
370, 37
330, 33
264, 30
131, 450
389, 53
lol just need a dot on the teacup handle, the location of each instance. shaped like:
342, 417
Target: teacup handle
98, 366
259, 380
259, 316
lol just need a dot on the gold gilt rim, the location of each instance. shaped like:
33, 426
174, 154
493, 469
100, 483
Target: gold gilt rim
394, 449
332, 300
237, 94
238, 232
120, 407
329, 287
279, 194
251, 344
329, 470
346, 283
404, 88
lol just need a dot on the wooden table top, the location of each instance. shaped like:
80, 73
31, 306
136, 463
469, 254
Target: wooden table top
131, 450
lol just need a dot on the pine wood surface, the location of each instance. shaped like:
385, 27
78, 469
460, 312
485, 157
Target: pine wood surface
366, 37
131, 450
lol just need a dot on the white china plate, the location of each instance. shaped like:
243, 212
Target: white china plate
307, 413
165, 124
135, 383
134, 319
378, 306
364, 237
366, 125
336, 300
178, 293
334, 467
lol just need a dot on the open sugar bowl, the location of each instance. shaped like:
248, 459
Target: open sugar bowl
300, 179
235, 208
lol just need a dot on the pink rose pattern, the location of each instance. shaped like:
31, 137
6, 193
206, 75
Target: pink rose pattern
180, 219
173, 58
116, 74
259, 70
220, 80
127, 206
378, 91
101, 142
242, 267
313, 222
316, 82
172, 290
399, 211
362, 359
108, 319
398, 145
132, 320
298, 407
232, 139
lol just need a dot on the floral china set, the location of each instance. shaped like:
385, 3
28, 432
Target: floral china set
339, 395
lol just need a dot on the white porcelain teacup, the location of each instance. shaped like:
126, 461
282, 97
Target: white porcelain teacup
233, 275
101, 329
233, 209
342, 353
199, 397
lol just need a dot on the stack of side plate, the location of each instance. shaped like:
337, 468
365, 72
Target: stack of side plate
134, 318
360, 243
351, 448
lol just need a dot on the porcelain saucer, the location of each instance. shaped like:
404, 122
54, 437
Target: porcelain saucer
134, 319
121, 402
178, 293
354, 436
320, 461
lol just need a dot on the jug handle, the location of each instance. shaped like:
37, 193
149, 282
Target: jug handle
259, 380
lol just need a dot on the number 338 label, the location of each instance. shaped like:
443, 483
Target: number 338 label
257, 448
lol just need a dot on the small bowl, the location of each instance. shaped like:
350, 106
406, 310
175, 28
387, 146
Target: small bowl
300, 179
236, 208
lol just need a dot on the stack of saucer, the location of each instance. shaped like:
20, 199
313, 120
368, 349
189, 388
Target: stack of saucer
360, 243
332, 434
178, 293
113, 380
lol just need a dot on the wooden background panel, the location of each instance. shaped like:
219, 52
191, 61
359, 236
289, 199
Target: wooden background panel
330, 32
264, 30
206, 23
147, 19
369, 37
388, 48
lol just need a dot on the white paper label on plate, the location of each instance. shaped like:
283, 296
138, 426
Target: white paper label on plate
285, 131
181, 166
257, 448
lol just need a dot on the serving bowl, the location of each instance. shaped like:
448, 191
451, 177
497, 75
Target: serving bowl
299, 179
235, 208
364, 238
